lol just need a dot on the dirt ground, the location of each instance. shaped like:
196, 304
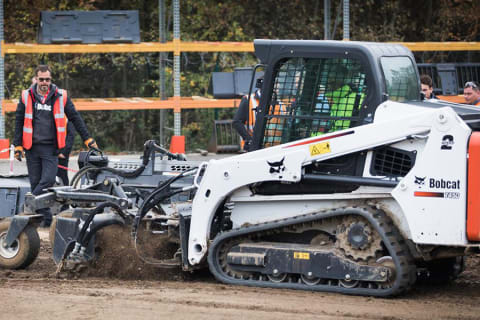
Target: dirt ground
36, 293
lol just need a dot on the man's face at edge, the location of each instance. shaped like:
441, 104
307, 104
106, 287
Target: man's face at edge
427, 91
43, 81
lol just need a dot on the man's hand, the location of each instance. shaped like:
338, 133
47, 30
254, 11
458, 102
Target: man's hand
19, 154
61, 153
91, 144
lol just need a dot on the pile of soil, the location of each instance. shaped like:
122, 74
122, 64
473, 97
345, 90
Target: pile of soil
117, 256
471, 274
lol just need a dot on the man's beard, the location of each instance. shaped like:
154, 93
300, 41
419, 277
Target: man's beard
44, 88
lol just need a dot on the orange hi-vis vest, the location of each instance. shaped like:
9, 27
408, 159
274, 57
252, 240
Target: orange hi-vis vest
58, 114
275, 125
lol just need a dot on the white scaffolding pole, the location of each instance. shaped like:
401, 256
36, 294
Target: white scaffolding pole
176, 67
346, 20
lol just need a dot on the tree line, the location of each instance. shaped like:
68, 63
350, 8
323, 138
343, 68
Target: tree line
137, 74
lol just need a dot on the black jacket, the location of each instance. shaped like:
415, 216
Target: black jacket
241, 118
69, 140
71, 113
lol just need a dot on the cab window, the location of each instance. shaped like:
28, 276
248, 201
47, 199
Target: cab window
314, 96
401, 79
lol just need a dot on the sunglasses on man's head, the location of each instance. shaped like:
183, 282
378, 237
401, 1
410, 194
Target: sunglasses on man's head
470, 84
44, 79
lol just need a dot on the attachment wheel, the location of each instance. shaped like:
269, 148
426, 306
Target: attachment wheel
24, 249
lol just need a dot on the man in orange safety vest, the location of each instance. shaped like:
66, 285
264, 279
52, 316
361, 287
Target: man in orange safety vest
40, 131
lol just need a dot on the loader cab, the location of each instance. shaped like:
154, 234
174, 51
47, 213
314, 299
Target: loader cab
313, 88
317, 87
314, 96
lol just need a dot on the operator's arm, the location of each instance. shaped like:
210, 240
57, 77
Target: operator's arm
74, 117
19, 118
240, 119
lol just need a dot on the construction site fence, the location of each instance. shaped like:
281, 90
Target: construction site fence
450, 78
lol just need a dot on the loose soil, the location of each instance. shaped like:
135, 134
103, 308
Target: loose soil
123, 287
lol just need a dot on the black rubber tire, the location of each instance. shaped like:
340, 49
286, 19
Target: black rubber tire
53, 226
28, 248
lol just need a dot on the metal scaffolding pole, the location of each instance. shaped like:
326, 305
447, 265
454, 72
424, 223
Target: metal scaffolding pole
161, 68
2, 75
176, 67
346, 20
326, 23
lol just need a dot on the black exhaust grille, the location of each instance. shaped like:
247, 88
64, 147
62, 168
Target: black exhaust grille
392, 162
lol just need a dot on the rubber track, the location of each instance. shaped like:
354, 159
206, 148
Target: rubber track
404, 266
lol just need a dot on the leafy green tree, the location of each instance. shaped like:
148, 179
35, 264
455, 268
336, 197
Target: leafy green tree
137, 74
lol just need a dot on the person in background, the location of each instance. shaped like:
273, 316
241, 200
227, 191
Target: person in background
64, 154
244, 119
471, 93
427, 86
40, 131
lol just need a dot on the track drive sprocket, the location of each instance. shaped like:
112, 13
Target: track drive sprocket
357, 239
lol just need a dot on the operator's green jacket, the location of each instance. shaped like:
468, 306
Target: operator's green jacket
342, 105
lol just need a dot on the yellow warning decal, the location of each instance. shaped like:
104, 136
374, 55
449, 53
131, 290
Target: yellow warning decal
319, 148
301, 255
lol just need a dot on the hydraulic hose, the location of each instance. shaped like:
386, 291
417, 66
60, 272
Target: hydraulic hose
151, 200
81, 239
149, 147
156, 262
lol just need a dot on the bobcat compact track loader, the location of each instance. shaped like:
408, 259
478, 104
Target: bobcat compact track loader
357, 186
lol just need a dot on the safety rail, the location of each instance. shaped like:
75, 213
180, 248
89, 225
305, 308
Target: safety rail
137, 103
449, 78
196, 46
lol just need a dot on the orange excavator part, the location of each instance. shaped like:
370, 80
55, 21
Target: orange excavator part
473, 196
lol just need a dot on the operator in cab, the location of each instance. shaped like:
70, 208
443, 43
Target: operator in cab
244, 119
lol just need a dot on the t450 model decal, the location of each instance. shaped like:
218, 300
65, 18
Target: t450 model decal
446, 195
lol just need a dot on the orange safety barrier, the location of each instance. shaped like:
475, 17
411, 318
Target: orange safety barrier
195, 46
473, 198
4, 148
177, 144
171, 46
456, 99
137, 103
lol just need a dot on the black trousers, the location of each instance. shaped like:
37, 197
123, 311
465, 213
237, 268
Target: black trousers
62, 173
42, 163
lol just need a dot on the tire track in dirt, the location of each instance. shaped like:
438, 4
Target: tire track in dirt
36, 293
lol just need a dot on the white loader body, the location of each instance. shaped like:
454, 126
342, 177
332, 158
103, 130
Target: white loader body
428, 205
